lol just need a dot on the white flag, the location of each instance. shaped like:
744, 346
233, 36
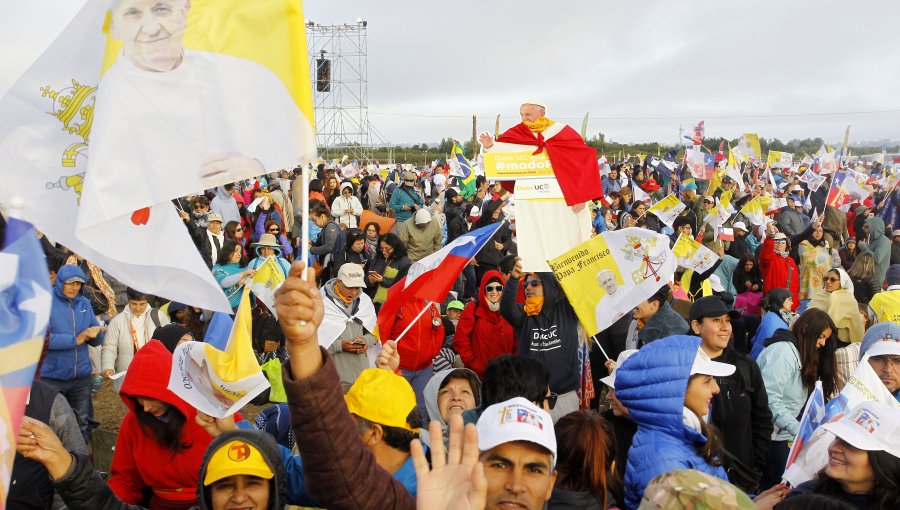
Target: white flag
45, 126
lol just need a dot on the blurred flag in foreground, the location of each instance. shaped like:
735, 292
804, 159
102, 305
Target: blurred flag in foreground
219, 383
24, 312
691, 254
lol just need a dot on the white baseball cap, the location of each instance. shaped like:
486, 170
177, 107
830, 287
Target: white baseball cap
422, 217
517, 419
706, 366
871, 426
740, 225
352, 276
610, 380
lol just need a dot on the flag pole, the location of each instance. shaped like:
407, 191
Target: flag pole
601, 347
416, 319
304, 226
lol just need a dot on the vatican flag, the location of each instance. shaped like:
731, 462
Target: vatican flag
220, 383
606, 276
690, 254
47, 122
221, 93
667, 209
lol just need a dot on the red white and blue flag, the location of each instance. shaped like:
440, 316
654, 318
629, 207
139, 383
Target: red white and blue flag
432, 277
24, 314
845, 191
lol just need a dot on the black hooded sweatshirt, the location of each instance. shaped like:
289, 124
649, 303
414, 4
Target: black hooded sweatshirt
551, 336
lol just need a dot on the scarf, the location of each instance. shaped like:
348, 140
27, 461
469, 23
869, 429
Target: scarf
539, 126
337, 292
104, 287
690, 420
533, 305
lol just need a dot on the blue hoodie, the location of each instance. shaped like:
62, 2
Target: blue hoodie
652, 385
65, 359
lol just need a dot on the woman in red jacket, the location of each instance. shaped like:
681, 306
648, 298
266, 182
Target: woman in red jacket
160, 446
482, 333
779, 271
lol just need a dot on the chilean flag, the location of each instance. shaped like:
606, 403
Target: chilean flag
432, 277
24, 314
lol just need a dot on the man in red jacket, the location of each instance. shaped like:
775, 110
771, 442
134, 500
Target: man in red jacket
419, 345
779, 271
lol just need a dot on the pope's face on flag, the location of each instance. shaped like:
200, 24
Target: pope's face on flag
151, 31
607, 280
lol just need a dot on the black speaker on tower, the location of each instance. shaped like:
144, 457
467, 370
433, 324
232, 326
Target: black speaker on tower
323, 75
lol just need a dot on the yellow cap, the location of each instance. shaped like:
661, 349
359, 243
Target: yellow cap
382, 397
236, 458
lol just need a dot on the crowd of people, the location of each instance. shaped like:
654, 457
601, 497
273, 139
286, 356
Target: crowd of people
694, 398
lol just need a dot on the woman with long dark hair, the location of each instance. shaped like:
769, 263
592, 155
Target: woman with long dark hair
585, 464
235, 231
791, 363
160, 447
862, 274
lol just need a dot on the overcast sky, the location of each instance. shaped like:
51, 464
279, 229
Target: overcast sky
782, 69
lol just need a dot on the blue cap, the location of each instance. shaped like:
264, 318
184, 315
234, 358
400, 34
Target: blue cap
883, 331
795, 198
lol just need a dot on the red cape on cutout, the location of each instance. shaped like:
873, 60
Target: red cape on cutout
574, 162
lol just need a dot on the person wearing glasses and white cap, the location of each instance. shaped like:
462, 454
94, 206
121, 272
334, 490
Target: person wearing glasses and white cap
672, 430
881, 344
863, 467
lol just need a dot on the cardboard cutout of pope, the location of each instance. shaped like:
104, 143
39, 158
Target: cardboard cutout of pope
177, 112
546, 227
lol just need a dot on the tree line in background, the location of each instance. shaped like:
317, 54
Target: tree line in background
424, 154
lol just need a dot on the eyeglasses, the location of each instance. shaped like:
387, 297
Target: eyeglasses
493, 288
781, 241
199, 206
274, 231
832, 279
533, 283
551, 400
239, 229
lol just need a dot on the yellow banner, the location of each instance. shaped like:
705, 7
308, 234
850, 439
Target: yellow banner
516, 165
579, 271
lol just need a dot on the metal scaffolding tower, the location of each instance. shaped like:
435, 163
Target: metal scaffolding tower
337, 57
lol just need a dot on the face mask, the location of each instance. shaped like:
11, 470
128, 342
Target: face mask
533, 305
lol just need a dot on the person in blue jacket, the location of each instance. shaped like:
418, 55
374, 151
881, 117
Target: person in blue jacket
778, 305
73, 326
667, 388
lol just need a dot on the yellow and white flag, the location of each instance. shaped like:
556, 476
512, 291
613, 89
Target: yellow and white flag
221, 93
778, 159
667, 209
46, 136
220, 383
755, 210
608, 275
266, 281
691, 254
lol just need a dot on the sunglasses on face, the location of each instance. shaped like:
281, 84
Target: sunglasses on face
832, 279
274, 231
239, 229
533, 283
493, 288
551, 400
